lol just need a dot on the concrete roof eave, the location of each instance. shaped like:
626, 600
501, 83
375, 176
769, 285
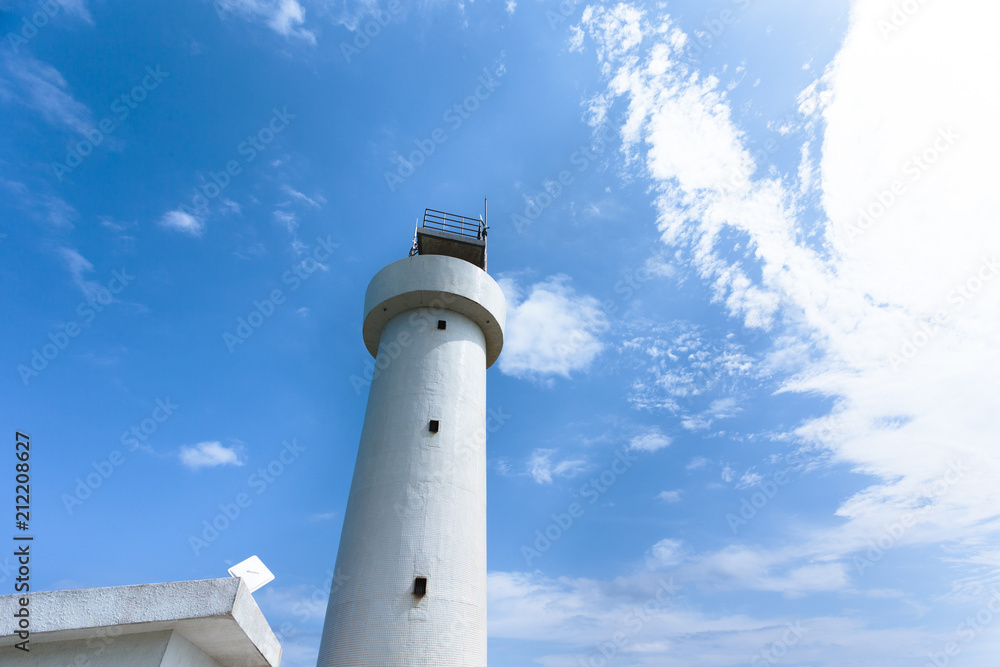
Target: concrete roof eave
219, 616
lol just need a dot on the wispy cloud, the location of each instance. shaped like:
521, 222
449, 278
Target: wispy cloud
40, 87
46, 208
721, 408
543, 469
77, 8
78, 266
285, 17
677, 362
579, 616
287, 219
697, 463
318, 202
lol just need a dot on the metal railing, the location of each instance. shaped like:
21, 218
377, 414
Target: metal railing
454, 224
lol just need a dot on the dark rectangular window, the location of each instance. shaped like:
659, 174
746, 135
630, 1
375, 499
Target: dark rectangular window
442, 324
420, 586
434, 426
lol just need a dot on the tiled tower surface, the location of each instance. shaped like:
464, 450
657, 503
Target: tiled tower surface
417, 505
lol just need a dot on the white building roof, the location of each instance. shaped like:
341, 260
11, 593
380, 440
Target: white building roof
219, 616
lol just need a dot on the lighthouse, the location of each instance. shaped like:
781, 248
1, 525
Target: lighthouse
409, 584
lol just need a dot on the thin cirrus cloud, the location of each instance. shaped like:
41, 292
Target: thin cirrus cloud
551, 330
42, 88
209, 454
78, 266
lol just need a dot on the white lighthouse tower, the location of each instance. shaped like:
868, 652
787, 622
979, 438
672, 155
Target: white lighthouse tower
410, 580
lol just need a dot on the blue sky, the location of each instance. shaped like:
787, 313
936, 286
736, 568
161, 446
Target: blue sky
749, 248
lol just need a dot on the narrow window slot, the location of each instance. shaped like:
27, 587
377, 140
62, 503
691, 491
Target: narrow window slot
420, 586
442, 324
434, 426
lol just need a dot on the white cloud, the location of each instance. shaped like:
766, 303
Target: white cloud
577, 616
552, 331
543, 469
650, 441
841, 307
285, 17
749, 479
209, 454
183, 222
670, 496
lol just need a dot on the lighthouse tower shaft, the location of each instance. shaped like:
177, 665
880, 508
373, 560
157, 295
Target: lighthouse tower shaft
410, 579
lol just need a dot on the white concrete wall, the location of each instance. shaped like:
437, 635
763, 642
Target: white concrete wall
136, 650
182, 653
417, 505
